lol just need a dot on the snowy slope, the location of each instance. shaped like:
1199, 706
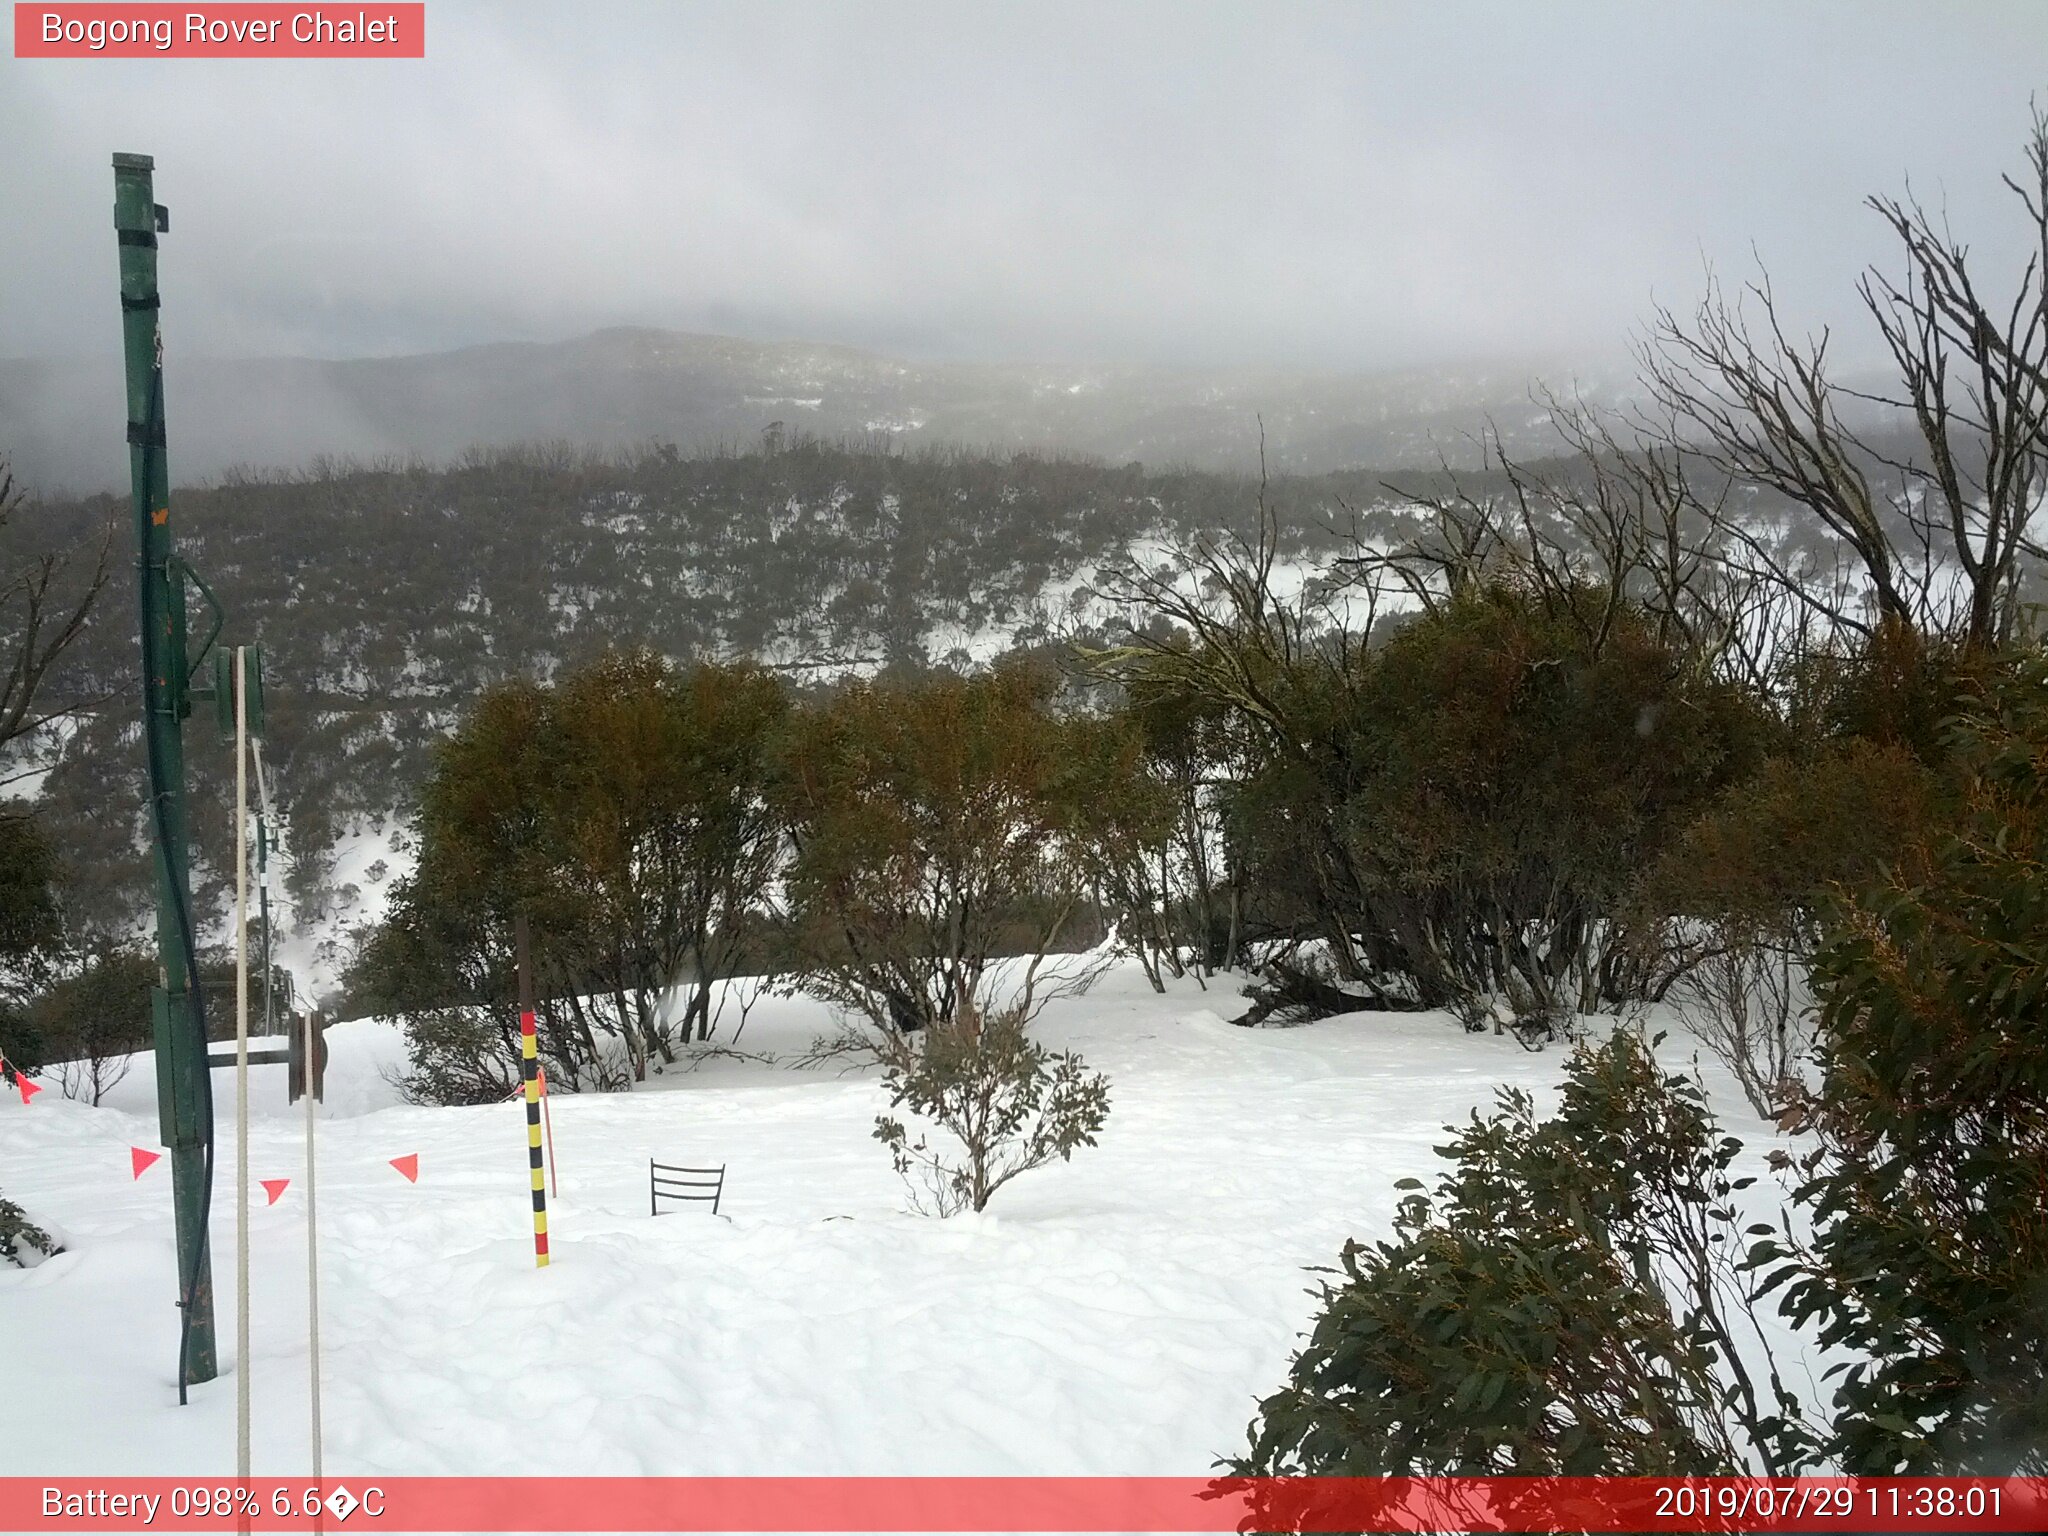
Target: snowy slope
1115, 1315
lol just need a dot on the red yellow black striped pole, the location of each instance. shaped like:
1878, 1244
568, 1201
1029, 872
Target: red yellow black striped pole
529, 1068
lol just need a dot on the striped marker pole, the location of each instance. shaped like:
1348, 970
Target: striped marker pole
529, 1069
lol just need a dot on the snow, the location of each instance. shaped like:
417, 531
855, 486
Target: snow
313, 953
1116, 1315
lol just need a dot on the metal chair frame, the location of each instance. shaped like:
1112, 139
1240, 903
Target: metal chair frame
665, 1181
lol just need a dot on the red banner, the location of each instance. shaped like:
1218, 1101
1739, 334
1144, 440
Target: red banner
360, 31
1052, 1504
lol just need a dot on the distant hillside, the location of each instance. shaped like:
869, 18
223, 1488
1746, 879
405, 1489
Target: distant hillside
61, 421
387, 599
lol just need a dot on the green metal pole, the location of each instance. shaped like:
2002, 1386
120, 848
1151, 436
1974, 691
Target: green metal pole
183, 1099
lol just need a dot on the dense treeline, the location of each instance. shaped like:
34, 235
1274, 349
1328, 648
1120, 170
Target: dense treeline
390, 596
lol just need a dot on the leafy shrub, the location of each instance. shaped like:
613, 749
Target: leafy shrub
1738, 898
1895, 688
1511, 772
624, 811
22, 1242
1568, 1301
28, 872
456, 1056
1768, 851
1930, 1255
94, 1021
1463, 809
21, 1043
1009, 1103
1565, 1302
944, 836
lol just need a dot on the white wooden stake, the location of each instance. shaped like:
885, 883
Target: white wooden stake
307, 1048
309, 1022
241, 1069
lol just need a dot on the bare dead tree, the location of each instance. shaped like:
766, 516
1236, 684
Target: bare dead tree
1621, 518
1219, 629
1461, 539
44, 600
1239, 640
1971, 371
1941, 546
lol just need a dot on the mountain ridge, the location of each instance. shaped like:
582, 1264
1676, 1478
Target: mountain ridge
631, 385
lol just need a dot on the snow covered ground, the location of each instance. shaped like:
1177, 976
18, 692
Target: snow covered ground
1115, 1315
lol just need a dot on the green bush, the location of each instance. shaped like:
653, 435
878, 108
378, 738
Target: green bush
1465, 809
623, 810
1930, 1256
1737, 899
1009, 1103
28, 905
1565, 1302
1568, 1301
93, 1022
1770, 850
21, 1240
946, 834
456, 1056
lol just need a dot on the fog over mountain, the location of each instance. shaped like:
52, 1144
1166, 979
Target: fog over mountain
1123, 229
629, 387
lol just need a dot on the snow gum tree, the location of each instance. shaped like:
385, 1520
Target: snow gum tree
624, 811
942, 833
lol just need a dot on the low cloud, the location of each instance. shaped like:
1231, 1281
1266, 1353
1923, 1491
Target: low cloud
1341, 187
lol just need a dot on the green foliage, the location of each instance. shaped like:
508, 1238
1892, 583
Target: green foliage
938, 826
21, 1044
1009, 1103
625, 812
1737, 898
1134, 838
662, 813
30, 926
1564, 1302
458, 1056
94, 1020
1568, 1301
1930, 1254
1770, 849
1164, 871
1465, 808
1894, 688
29, 915
21, 1240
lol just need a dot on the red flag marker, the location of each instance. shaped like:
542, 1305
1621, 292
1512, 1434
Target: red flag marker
140, 1158
28, 1089
409, 1165
273, 1188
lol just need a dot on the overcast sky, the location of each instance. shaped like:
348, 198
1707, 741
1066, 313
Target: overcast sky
1350, 187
